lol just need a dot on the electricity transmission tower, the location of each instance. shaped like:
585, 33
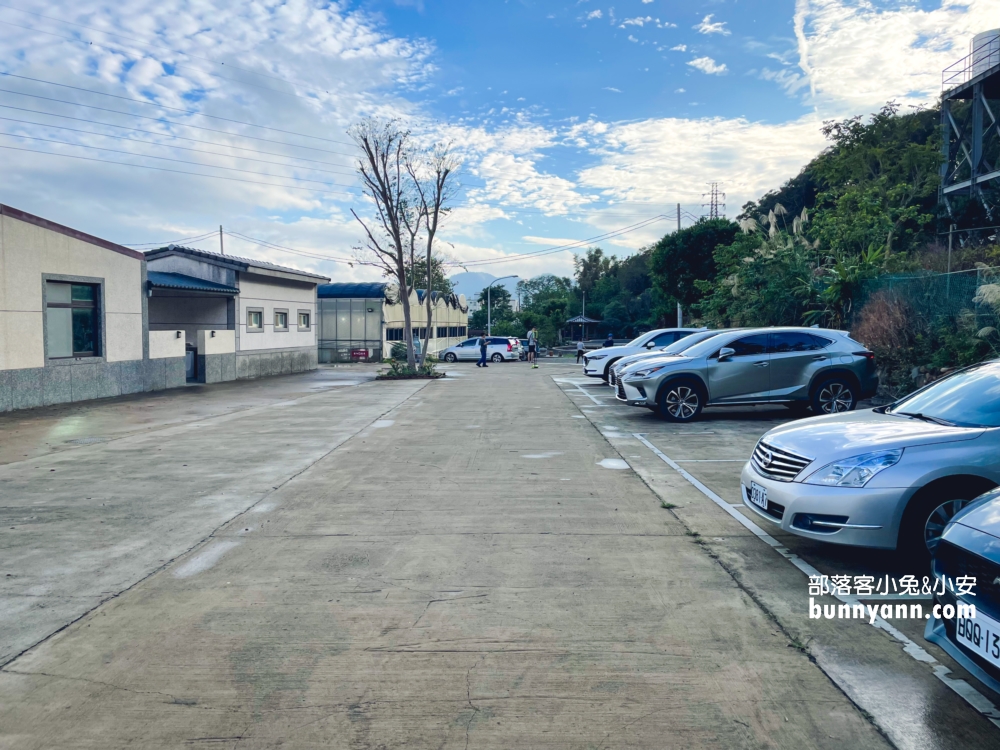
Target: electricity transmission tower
716, 201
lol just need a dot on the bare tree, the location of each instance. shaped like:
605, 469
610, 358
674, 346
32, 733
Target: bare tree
382, 167
434, 191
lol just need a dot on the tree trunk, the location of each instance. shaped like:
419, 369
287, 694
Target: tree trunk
404, 299
427, 300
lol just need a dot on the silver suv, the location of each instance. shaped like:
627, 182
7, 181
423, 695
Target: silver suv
799, 367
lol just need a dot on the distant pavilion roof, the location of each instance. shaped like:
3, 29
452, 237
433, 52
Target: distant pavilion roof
581, 319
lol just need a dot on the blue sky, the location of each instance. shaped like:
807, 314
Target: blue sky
144, 121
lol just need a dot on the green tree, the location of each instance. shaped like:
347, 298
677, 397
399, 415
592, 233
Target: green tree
440, 282
499, 299
682, 259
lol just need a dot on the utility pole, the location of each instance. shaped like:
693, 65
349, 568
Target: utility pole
680, 313
222, 249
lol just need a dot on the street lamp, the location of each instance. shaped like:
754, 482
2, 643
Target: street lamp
489, 307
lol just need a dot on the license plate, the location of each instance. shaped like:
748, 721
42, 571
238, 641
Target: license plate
981, 635
758, 495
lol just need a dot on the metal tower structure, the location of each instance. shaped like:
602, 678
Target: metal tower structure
716, 200
970, 138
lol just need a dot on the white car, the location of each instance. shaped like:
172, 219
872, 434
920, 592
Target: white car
500, 349
890, 477
596, 363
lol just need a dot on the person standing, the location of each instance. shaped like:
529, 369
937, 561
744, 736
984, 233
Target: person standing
579, 350
532, 346
483, 343
610, 340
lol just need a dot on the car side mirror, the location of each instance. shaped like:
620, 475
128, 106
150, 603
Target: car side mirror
650, 344
725, 353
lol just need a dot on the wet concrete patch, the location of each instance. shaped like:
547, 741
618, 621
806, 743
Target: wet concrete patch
205, 559
614, 463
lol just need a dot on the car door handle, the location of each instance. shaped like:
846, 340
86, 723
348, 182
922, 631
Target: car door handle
760, 364
819, 357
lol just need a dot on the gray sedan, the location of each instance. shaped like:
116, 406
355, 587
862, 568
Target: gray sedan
890, 477
799, 367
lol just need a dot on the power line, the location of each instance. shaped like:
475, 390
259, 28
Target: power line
275, 246
167, 158
174, 109
163, 145
196, 238
172, 122
147, 44
170, 135
174, 171
568, 246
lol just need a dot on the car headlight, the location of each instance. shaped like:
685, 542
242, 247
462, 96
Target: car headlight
856, 470
646, 372
597, 356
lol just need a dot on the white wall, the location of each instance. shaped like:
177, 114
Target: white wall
223, 342
442, 314
164, 344
272, 293
26, 252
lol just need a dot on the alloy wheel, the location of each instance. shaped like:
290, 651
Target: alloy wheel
682, 402
835, 398
938, 519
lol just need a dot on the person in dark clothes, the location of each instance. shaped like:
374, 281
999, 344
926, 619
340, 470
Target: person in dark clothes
483, 343
609, 341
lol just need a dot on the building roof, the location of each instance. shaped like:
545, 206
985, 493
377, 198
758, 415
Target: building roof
354, 290
581, 319
236, 263
162, 280
38, 221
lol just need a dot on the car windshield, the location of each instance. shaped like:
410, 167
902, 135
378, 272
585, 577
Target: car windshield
642, 339
688, 342
970, 398
707, 346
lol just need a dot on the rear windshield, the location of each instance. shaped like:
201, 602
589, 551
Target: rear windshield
970, 398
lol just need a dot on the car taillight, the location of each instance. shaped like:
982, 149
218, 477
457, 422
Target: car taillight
870, 356
510, 347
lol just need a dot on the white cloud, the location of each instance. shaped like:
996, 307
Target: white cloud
632, 38
637, 21
679, 91
612, 88
679, 48
595, 14
707, 27
708, 65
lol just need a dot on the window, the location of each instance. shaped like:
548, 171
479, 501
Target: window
72, 320
462, 331
470, 342
304, 320
281, 320
255, 320
419, 332
393, 334
795, 341
750, 346
453, 332
665, 338
442, 332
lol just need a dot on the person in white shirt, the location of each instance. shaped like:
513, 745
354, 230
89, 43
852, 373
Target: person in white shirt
532, 346
579, 350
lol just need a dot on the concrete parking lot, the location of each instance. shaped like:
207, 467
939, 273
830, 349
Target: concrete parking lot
481, 561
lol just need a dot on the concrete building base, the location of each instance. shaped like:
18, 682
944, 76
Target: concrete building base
250, 365
44, 386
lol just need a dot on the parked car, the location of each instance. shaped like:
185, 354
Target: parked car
970, 546
664, 351
500, 349
596, 363
890, 477
798, 367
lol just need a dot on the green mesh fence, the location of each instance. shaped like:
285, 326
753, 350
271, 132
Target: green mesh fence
934, 297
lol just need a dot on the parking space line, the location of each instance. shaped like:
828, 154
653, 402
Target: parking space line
963, 689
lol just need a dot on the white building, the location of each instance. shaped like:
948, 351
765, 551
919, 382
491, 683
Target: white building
241, 318
73, 318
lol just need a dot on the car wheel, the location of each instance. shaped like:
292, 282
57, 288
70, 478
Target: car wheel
834, 396
924, 521
450, 357
681, 401
498, 357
